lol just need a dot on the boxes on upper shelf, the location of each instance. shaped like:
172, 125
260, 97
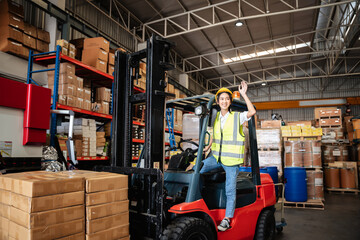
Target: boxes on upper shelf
43, 35
98, 42
111, 69
8, 32
12, 7
63, 43
29, 41
90, 55
103, 94
111, 58
42, 46
12, 47
30, 30
9, 19
66, 68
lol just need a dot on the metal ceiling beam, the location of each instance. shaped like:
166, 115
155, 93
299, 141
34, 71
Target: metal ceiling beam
184, 25
309, 69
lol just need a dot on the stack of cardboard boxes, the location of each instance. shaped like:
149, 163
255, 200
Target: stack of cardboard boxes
67, 48
79, 46
96, 53
43, 205
85, 137
107, 207
71, 91
100, 143
141, 81
18, 37
111, 63
102, 97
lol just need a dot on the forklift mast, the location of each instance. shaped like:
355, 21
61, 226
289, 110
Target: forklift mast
145, 181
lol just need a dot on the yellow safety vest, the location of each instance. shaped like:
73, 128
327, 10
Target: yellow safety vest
228, 143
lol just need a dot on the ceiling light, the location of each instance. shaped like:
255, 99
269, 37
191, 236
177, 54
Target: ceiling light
263, 84
239, 23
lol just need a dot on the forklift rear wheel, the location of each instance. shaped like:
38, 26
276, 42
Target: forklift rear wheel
265, 229
188, 228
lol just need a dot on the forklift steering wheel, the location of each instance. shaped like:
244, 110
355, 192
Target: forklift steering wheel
188, 149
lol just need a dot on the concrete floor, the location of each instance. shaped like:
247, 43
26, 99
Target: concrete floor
339, 221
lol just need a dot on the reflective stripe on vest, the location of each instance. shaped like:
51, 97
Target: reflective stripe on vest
232, 150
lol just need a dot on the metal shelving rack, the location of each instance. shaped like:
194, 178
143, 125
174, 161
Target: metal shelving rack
98, 78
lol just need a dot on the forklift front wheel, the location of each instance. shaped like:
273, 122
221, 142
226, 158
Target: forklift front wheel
188, 228
265, 229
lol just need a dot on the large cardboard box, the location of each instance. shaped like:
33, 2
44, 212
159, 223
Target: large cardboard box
46, 232
87, 105
42, 46
13, 47
87, 94
9, 19
111, 59
98, 42
46, 218
317, 111
29, 41
90, 55
65, 68
78, 236
65, 89
103, 94
104, 223
111, 69
38, 204
80, 92
63, 79
40, 183
100, 65
112, 233
105, 107
12, 7
271, 124
106, 196
43, 35
71, 101
80, 82
103, 210
30, 30
8, 32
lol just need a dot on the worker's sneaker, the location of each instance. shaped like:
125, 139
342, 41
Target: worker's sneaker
224, 225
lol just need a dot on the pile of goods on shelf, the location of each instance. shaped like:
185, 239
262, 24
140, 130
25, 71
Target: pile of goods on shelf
18, 37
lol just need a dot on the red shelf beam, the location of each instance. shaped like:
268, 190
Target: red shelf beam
79, 110
91, 158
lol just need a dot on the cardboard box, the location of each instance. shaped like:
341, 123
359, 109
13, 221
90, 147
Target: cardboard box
38, 204
72, 54
80, 92
30, 30
104, 223
41, 183
356, 123
108, 209
71, 101
42, 46
62, 99
12, 7
105, 107
106, 196
100, 134
101, 65
9, 19
43, 35
63, 43
90, 55
103, 94
64, 51
29, 41
13, 47
46, 232
63, 79
87, 105
98, 42
113, 233
65, 68
78, 236
4, 210
46, 218
271, 124
80, 102
65, 89
330, 122
87, 94
111, 60
318, 110
8, 32
111, 69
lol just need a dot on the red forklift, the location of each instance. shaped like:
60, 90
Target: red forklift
179, 204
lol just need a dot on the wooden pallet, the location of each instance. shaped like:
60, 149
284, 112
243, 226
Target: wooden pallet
343, 191
331, 126
330, 116
270, 148
316, 204
301, 138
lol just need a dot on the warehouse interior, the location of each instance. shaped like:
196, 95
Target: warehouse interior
106, 107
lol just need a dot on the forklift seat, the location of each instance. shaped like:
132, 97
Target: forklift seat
214, 176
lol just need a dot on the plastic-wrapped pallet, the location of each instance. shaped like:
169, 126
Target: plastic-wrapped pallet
268, 138
270, 159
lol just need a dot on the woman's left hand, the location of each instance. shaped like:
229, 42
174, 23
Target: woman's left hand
243, 88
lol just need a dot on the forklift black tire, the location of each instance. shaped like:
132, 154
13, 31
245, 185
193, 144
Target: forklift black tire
188, 228
279, 229
265, 229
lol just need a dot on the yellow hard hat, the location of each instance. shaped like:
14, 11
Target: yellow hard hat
222, 90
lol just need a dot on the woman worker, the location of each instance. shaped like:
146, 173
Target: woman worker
227, 146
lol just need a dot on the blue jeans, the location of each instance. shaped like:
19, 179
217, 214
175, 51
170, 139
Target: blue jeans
230, 184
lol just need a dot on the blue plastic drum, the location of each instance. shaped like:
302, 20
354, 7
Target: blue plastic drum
245, 169
295, 184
